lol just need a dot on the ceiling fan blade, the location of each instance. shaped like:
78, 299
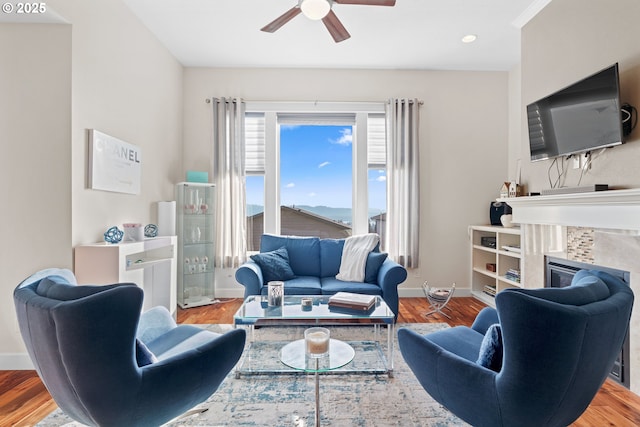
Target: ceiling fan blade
335, 27
273, 26
368, 2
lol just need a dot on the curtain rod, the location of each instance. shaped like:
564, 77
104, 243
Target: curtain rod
420, 102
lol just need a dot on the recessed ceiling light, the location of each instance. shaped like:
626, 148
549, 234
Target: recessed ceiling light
469, 38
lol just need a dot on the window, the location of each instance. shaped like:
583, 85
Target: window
377, 174
254, 169
316, 180
314, 173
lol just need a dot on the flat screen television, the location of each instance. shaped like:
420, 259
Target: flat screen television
581, 117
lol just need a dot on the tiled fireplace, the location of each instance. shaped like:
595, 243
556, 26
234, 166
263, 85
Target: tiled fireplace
600, 228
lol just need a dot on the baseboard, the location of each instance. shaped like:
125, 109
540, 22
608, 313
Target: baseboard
15, 362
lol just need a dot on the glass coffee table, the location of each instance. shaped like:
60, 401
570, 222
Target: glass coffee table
368, 344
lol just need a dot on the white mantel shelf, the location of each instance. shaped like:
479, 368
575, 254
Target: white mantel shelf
612, 209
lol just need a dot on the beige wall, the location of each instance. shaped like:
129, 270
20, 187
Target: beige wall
464, 131
103, 71
35, 162
569, 40
125, 84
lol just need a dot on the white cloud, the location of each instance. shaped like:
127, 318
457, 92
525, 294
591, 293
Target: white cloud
312, 194
346, 138
323, 164
290, 185
381, 178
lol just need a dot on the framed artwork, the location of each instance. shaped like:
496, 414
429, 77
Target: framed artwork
114, 165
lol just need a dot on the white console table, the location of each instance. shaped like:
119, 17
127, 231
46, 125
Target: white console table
150, 264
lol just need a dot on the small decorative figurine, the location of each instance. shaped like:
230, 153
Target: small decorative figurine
150, 230
113, 235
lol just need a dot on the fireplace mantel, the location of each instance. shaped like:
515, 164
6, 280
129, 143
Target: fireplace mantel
613, 209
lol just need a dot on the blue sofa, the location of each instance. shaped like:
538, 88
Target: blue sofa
315, 263
555, 349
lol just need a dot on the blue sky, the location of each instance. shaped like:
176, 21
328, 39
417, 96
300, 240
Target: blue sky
316, 168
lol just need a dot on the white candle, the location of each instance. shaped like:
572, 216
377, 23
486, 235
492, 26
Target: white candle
317, 341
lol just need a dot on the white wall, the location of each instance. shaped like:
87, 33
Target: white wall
463, 144
103, 71
569, 40
35, 163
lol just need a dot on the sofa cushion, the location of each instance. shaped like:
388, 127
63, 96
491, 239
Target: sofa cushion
490, 355
330, 256
274, 265
374, 262
301, 285
331, 285
304, 252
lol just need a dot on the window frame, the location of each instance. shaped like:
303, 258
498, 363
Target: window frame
271, 110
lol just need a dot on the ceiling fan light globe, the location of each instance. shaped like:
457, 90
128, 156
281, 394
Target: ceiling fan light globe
315, 9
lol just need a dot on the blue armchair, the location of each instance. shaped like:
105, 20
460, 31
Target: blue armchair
106, 365
558, 346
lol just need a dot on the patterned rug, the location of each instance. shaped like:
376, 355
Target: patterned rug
362, 400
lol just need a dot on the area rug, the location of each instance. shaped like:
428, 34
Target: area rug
362, 400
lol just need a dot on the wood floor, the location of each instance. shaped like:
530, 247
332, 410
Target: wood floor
24, 401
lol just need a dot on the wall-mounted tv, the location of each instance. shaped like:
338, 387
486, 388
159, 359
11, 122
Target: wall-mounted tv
581, 117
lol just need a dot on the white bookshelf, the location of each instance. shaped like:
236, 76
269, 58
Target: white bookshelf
506, 257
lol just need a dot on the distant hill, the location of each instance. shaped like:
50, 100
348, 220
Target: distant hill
336, 214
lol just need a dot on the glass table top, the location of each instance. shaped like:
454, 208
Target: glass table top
255, 308
294, 356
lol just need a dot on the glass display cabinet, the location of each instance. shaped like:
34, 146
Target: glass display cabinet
195, 226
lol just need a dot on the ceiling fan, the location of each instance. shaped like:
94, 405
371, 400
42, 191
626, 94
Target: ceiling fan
321, 9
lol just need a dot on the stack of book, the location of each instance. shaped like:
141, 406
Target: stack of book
513, 275
352, 301
489, 290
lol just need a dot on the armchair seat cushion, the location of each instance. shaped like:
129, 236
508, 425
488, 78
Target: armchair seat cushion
180, 339
459, 340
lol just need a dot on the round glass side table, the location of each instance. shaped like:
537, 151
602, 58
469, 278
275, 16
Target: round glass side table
294, 356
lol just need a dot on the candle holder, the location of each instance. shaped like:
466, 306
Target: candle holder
316, 342
275, 293
306, 304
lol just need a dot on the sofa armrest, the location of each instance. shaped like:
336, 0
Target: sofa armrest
249, 275
390, 275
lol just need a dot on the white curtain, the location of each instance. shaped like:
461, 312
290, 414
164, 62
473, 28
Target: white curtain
228, 174
403, 181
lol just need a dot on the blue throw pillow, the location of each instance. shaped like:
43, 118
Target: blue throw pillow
490, 355
374, 262
144, 356
274, 265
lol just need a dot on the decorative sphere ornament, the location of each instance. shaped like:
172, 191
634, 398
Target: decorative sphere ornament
150, 230
113, 235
